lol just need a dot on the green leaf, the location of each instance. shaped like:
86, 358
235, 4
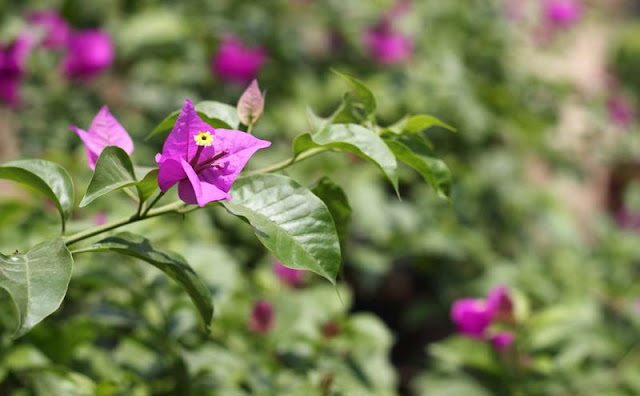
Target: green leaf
46, 177
419, 123
361, 93
290, 221
36, 281
354, 139
113, 171
168, 262
148, 185
216, 114
414, 150
338, 204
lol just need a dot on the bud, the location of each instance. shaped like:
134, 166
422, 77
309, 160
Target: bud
262, 317
503, 340
251, 104
330, 329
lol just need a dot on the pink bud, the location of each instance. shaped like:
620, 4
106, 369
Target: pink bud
472, 316
251, 104
262, 317
500, 304
503, 340
291, 277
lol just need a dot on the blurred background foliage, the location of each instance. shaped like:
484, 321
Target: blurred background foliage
544, 201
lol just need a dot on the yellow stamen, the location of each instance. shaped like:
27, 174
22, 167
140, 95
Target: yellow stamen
203, 139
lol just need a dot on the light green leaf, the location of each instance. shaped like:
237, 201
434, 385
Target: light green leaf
290, 221
216, 114
36, 281
414, 150
338, 204
361, 93
113, 172
148, 185
168, 262
419, 123
354, 139
46, 177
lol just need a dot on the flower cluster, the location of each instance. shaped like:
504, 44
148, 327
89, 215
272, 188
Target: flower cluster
235, 62
86, 52
474, 317
562, 13
383, 43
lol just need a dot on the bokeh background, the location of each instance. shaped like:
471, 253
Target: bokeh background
545, 205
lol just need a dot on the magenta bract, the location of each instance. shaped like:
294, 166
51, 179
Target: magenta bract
13, 58
289, 276
621, 111
235, 62
562, 13
503, 340
472, 316
104, 131
89, 52
499, 303
203, 161
262, 317
386, 46
57, 29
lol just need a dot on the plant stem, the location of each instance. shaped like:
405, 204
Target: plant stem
286, 163
173, 207
250, 128
155, 200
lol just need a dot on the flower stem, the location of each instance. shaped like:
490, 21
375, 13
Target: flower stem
173, 207
155, 200
286, 163
250, 128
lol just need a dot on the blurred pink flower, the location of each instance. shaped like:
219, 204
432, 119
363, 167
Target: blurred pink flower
289, 276
386, 46
621, 111
89, 52
234, 62
562, 13
13, 58
100, 218
500, 304
262, 317
56, 28
503, 340
628, 219
472, 316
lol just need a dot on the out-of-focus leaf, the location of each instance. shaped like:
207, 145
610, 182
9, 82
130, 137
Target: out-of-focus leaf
338, 204
36, 281
419, 123
168, 262
361, 93
414, 151
354, 139
46, 177
290, 221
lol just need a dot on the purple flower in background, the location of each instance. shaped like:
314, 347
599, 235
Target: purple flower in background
562, 13
236, 63
289, 276
100, 218
203, 161
12, 62
503, 340
262, 317
386, 46
104, 131
621, 111
627, 219
500, 304
89, 52
57, 29
472, 316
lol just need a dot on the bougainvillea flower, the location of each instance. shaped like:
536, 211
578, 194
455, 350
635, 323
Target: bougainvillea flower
57, 29
203, 161
236, 63
13, 58
500, 304
262, 317
89, 52
503, 340
621, 111
104, 131
472, 316
562, 13
386, 46
291, 277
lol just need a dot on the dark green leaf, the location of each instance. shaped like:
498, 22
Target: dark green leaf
414, 151
46, 177
168, 262
290, 221
354, 139
216, 114
36, 281
361, 93
338, 204
113, 172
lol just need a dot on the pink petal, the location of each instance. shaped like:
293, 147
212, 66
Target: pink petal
198, 192
170, 173
240, 146
107, 131
92, 147
180, 142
